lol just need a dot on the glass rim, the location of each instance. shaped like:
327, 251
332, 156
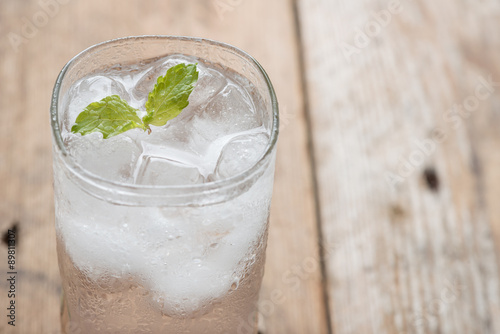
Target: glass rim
91, 178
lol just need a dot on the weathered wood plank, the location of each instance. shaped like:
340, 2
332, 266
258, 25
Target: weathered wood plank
292, 294
407, 185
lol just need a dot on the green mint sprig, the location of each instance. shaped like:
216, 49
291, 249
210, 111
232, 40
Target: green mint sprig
112, 115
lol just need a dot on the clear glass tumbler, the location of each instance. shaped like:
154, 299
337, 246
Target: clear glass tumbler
110, 235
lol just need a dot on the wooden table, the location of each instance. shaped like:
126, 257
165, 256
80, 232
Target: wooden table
385, 215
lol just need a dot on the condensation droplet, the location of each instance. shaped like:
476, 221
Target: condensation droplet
235, 284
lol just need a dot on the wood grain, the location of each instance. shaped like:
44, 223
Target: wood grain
292, 296
408, 181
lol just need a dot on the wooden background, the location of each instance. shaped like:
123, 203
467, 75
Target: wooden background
385, 215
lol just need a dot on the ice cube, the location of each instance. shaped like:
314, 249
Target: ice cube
175, 134
113, 158
230, 111
160, 171
210, 83
240, 154
166, 165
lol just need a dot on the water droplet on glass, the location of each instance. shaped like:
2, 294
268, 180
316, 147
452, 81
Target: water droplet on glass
235, 284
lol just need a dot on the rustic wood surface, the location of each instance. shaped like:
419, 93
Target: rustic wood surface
406, 148
384, 216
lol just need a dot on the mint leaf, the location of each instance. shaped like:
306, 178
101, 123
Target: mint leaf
170, 94
110, 116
